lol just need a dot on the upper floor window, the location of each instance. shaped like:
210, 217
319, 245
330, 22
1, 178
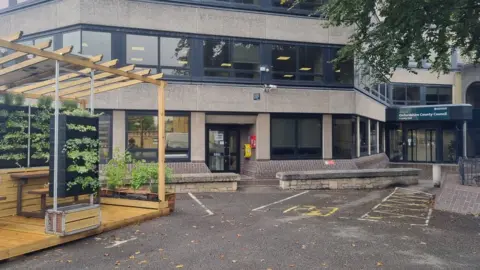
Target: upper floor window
307, 5
89, 43
142, 50
229, 58
301, 63
438, 95
175, 56
406, 94
413, 94
6, 5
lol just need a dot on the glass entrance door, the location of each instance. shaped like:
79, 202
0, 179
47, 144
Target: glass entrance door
223, 145
421, 145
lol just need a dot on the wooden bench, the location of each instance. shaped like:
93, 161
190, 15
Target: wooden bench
43, 192
22, 179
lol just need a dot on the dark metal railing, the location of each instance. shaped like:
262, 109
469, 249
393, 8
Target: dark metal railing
469, 169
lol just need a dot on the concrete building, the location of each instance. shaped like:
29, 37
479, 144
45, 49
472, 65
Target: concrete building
239, 72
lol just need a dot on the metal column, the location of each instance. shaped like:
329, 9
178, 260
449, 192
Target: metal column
92, 86
55, 149
464, 139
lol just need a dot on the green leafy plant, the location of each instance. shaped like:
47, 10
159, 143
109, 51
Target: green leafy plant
81, 113
45, 102
81, 128
14, 136
141, 174
84, 155
70, 105
8, 98
154, 177
19, 100
116, 169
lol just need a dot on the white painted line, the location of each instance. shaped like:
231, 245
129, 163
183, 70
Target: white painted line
282, 200
118, 243
210, 213
415, 191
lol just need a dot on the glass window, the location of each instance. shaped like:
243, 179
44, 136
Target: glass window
307, 5
142, 136
413, 94
363, 136
431, 96
44, 39
72, 39
449, 146
284, 59
344, 137
381, 137
311, 63
438, 95
142, 50
399, 95
299, 138
373, 137
94, 43
226, 58
246, 2
395, 134
174, 56
445, 95
344, 72
105, 136
4, 4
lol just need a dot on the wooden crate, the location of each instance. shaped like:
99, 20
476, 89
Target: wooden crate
72, 219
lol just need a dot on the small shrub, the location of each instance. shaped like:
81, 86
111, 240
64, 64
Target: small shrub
70, 105
116, 169
45, 102
19, 100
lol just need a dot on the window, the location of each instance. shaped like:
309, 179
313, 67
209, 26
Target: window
302, 63
344, 72
308, 5
105, 126
449, 146
296, 138
399, 94
381, 137
438, 95
142, 50
174, 56
227, 58
44, 39
344, 137
413, 95
73, 39
363, 136
142, 136
94, 43
373, 137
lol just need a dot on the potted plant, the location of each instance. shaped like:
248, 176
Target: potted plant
170, 197
116, 171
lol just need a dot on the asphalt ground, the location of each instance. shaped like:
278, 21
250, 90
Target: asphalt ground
265, 228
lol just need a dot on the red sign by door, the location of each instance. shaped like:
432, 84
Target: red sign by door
253, 141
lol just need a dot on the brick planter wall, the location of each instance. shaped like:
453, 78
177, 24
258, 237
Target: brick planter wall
457, 198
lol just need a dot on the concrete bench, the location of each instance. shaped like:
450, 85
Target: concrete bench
348, 179
203, 182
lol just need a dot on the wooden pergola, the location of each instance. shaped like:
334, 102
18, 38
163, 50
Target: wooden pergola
33, 71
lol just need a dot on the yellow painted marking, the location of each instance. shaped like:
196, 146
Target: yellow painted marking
312, 210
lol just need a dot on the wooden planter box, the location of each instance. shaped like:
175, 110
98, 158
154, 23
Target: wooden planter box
170, 198
72, 219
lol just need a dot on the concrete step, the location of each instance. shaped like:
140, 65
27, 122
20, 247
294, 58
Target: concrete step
258, 182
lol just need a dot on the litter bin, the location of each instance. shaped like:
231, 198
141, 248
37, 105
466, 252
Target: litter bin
436, 175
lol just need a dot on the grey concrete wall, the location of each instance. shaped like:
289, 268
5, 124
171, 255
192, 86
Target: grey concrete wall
197, 136
423, 76
327, 136
263, 136
118, 137
170, 17
231, 119
230, 98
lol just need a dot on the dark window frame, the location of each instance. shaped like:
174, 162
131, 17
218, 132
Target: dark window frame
110, 136
118, 37
353, 145
14, 5
151, 150
423, 93
296, 155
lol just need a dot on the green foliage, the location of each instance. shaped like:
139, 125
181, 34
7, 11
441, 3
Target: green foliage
142, 173
116, 169
81, 128
154, 181
19, 100
83, 152
389, 34
41, 130
70, 105
81, 113
14, 137
8, 98
45, 102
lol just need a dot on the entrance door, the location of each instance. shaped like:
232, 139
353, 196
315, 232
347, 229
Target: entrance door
421, 145
223, 143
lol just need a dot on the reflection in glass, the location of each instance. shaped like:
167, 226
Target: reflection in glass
72, 39
311, 63
343, 140
449, 146
395, 142
174, 56
284, 59
283, 137
142, 50
363, 136
309, 5
373, 136
104, 136
94, 43
216, 150
413, 94
381, 137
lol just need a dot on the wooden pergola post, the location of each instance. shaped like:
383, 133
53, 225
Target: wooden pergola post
161, 142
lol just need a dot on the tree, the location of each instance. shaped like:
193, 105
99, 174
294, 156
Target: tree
388, 34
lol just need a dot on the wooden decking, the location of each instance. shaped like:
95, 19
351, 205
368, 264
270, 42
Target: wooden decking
21, 235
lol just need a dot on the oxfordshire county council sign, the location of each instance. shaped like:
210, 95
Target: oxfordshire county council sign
426, 113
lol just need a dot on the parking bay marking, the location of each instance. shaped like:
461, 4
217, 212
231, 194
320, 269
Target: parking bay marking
282, 200
312, 210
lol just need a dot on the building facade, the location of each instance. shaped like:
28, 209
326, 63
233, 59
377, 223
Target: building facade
242, 72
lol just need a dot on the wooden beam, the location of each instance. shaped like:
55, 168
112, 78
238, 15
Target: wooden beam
86, 87
17, 55
117, 86
82, 81
71, 59
62, 78
161, 141
13, 37
33, 61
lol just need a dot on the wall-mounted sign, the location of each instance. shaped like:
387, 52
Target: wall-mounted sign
256, 96
429, 113
253, 141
